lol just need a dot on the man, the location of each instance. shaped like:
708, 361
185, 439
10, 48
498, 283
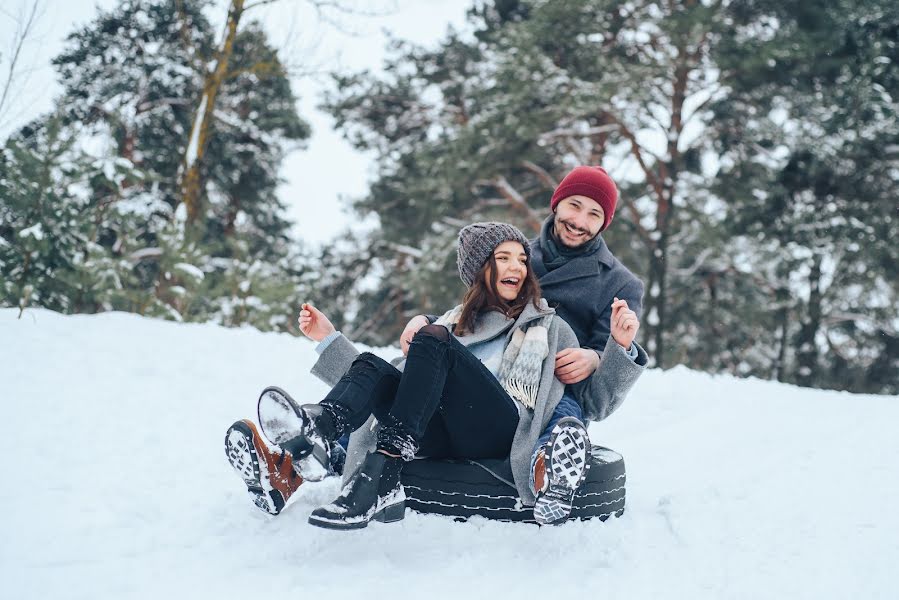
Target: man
578, 273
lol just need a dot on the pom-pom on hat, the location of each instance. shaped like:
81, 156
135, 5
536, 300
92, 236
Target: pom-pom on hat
592, 182
478, 241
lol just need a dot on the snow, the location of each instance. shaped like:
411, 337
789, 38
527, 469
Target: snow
115, 485
190, 270
36, 231
193, 147
143, 253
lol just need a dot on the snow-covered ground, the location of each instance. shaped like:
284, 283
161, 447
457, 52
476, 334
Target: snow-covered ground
115, 485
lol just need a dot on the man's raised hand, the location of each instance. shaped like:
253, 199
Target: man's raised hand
624, 323
313, 323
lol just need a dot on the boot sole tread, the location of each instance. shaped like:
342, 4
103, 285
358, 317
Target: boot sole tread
243, 458
568, 461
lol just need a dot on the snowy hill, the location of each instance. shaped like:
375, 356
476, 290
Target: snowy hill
115, 485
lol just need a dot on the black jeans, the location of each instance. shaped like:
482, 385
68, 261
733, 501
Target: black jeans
445, 401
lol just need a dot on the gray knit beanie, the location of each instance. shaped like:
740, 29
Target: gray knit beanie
478, 241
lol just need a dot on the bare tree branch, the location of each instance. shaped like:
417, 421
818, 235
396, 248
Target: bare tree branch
578, 152
324, 8
541, 173
700, 260
25, 24
637, 220
258, 3
518, 202
639, 153
262, 70
455, 223
846, 317
151, 104
575, 132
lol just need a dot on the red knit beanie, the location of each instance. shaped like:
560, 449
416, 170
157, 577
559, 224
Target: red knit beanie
592, 182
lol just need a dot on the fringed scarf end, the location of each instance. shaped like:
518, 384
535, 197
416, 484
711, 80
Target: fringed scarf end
523, 392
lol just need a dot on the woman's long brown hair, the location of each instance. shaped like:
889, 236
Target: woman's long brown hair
483, 296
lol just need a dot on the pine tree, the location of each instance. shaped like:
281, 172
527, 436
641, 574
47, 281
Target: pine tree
128, 83
48, 255
809, 169
131, 80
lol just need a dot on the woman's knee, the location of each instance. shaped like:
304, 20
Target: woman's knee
376, 363
432, 331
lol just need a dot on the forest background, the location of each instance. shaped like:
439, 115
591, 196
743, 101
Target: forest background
754, 143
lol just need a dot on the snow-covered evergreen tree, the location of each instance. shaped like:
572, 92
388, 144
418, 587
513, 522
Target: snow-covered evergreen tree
132, 78
810, 172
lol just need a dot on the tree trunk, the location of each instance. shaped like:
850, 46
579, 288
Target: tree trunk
780, 369
806, 348
711, 350
191, 180
668, 173
660, 261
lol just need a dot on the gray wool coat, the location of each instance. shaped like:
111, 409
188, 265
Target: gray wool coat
598, 395
582, 291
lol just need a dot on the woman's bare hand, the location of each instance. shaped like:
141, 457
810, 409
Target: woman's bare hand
313, 323
409, 332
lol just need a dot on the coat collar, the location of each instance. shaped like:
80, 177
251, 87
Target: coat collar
492, 324
581, 266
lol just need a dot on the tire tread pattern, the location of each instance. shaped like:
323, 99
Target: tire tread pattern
463, 489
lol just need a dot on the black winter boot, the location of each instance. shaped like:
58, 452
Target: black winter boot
374, 493
307, 432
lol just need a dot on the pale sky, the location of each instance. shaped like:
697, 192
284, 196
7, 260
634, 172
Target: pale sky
320, 178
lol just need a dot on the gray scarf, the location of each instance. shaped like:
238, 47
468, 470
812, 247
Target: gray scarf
555, 254
522, 364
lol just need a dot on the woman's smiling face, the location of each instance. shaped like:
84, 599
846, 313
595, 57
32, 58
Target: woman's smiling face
511, 269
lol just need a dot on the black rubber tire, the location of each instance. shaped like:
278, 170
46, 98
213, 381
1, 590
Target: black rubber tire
463, 489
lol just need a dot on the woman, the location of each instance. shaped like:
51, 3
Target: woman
477, 383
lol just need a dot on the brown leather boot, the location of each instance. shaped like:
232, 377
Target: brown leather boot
540, 481
268, 475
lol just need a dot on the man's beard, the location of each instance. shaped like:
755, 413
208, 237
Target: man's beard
559, 224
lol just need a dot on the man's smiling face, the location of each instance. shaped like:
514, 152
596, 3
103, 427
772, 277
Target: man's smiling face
578, 220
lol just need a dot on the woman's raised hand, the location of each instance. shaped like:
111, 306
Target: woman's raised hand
624, 323
313, 323
409, 332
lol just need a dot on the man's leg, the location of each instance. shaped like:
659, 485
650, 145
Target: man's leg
567, 407
559, 469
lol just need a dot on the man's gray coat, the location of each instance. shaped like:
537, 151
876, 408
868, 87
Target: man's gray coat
582, 291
